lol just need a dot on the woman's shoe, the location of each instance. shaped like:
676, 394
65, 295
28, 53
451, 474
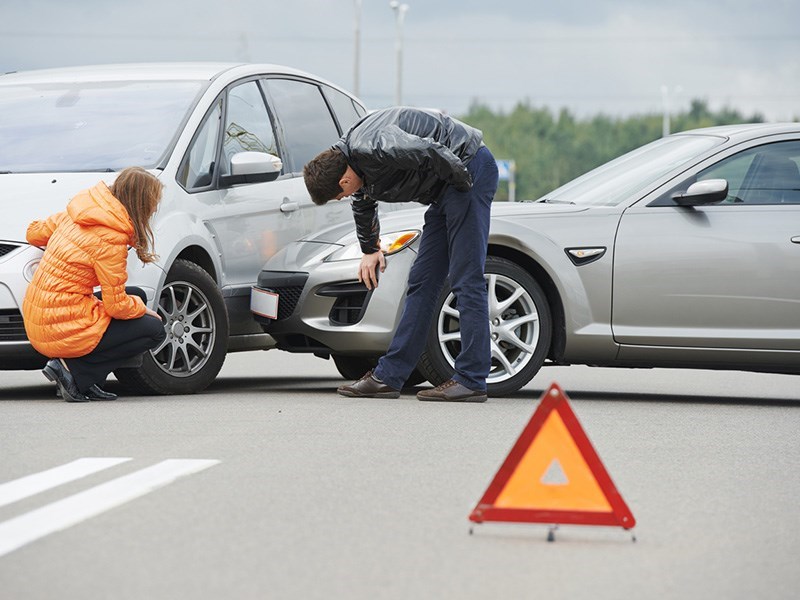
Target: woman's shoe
55, 372
95, 392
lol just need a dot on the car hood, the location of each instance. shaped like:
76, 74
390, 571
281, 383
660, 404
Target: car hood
509, 209
27, 197
414, 218
408, 218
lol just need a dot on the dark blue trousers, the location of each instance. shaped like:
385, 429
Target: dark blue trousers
453, 245
122, 340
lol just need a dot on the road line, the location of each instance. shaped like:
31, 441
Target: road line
31, 485
70, 511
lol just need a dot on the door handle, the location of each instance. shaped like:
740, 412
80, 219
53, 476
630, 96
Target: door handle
796, 239
287, 207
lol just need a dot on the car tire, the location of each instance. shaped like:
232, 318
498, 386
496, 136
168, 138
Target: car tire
354, 367
196, 322
518, 353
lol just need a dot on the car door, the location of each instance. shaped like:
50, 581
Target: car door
251, 221
725, 275
307, 127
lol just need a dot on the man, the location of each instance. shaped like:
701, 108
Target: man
399, 155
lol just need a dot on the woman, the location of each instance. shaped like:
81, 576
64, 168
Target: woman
87, 335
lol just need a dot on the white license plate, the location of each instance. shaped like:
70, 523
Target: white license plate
264, 303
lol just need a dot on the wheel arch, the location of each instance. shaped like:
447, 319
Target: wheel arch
179, 234
543, 278
200, 340
199, 256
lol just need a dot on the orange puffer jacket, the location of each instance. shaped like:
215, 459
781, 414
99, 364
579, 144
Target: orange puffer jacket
87, 246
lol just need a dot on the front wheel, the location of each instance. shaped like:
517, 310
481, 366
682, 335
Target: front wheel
354, 367
520, 326
196, 322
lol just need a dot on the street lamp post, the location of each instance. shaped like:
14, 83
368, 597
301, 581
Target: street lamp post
667, 109
400, 14
357, 48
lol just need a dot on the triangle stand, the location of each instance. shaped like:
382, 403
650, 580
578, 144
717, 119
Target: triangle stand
524, 490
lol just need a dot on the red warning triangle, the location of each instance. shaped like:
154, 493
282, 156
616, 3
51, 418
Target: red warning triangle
553, 475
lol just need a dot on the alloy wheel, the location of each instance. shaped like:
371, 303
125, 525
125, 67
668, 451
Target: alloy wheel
190, 326
513, 322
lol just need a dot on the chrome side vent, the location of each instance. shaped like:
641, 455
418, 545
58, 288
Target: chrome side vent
584, 256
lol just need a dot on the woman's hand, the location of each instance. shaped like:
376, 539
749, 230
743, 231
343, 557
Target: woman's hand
152, 313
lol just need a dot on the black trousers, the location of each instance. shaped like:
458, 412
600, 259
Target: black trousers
122, 340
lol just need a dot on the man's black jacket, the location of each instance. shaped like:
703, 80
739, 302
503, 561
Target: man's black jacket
405, 154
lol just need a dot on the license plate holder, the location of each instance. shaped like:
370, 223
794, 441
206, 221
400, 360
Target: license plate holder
264, 303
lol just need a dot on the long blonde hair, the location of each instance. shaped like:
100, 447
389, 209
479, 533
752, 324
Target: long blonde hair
139, 192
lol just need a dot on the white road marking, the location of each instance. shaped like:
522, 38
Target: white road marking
70, 511
31, 485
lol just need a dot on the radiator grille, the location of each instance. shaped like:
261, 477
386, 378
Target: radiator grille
12, 328
287, 299
6, 248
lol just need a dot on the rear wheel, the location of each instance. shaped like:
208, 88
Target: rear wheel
196, 322
520, 326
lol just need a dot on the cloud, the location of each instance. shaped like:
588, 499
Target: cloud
589, 56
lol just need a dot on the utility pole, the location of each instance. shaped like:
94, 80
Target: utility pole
357, 49
665, 100
400, 15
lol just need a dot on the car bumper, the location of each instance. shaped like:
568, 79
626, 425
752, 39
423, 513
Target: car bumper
17, 262
324, 309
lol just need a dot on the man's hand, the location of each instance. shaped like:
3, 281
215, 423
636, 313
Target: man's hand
367, 269
152, 313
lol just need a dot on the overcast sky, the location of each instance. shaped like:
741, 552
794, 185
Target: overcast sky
591, 56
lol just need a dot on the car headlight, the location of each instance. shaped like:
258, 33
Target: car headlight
391, 243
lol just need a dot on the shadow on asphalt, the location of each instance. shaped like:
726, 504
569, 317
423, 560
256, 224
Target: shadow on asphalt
290, 385
668, 398
299, 385
306, 385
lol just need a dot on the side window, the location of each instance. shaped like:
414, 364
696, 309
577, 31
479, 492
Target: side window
343, 106
197, 169
247, 124
763, 175
307, 123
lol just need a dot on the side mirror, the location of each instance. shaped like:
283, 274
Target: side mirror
707, 191
252, 167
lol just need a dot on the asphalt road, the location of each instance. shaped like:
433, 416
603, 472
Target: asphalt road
268, 485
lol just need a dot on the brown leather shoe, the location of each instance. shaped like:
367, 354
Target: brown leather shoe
451, 391
368, 387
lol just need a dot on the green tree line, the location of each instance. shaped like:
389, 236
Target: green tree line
551, 149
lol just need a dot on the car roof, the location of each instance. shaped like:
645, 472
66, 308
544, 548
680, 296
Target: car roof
746, 130
174, 71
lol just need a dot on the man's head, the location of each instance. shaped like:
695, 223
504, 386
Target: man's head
329, 177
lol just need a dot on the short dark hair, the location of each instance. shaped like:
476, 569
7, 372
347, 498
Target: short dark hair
322, 174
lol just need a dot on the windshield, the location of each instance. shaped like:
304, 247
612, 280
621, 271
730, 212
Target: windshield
618, 180
98, 126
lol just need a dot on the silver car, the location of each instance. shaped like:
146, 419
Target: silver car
683, 253
228, 141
